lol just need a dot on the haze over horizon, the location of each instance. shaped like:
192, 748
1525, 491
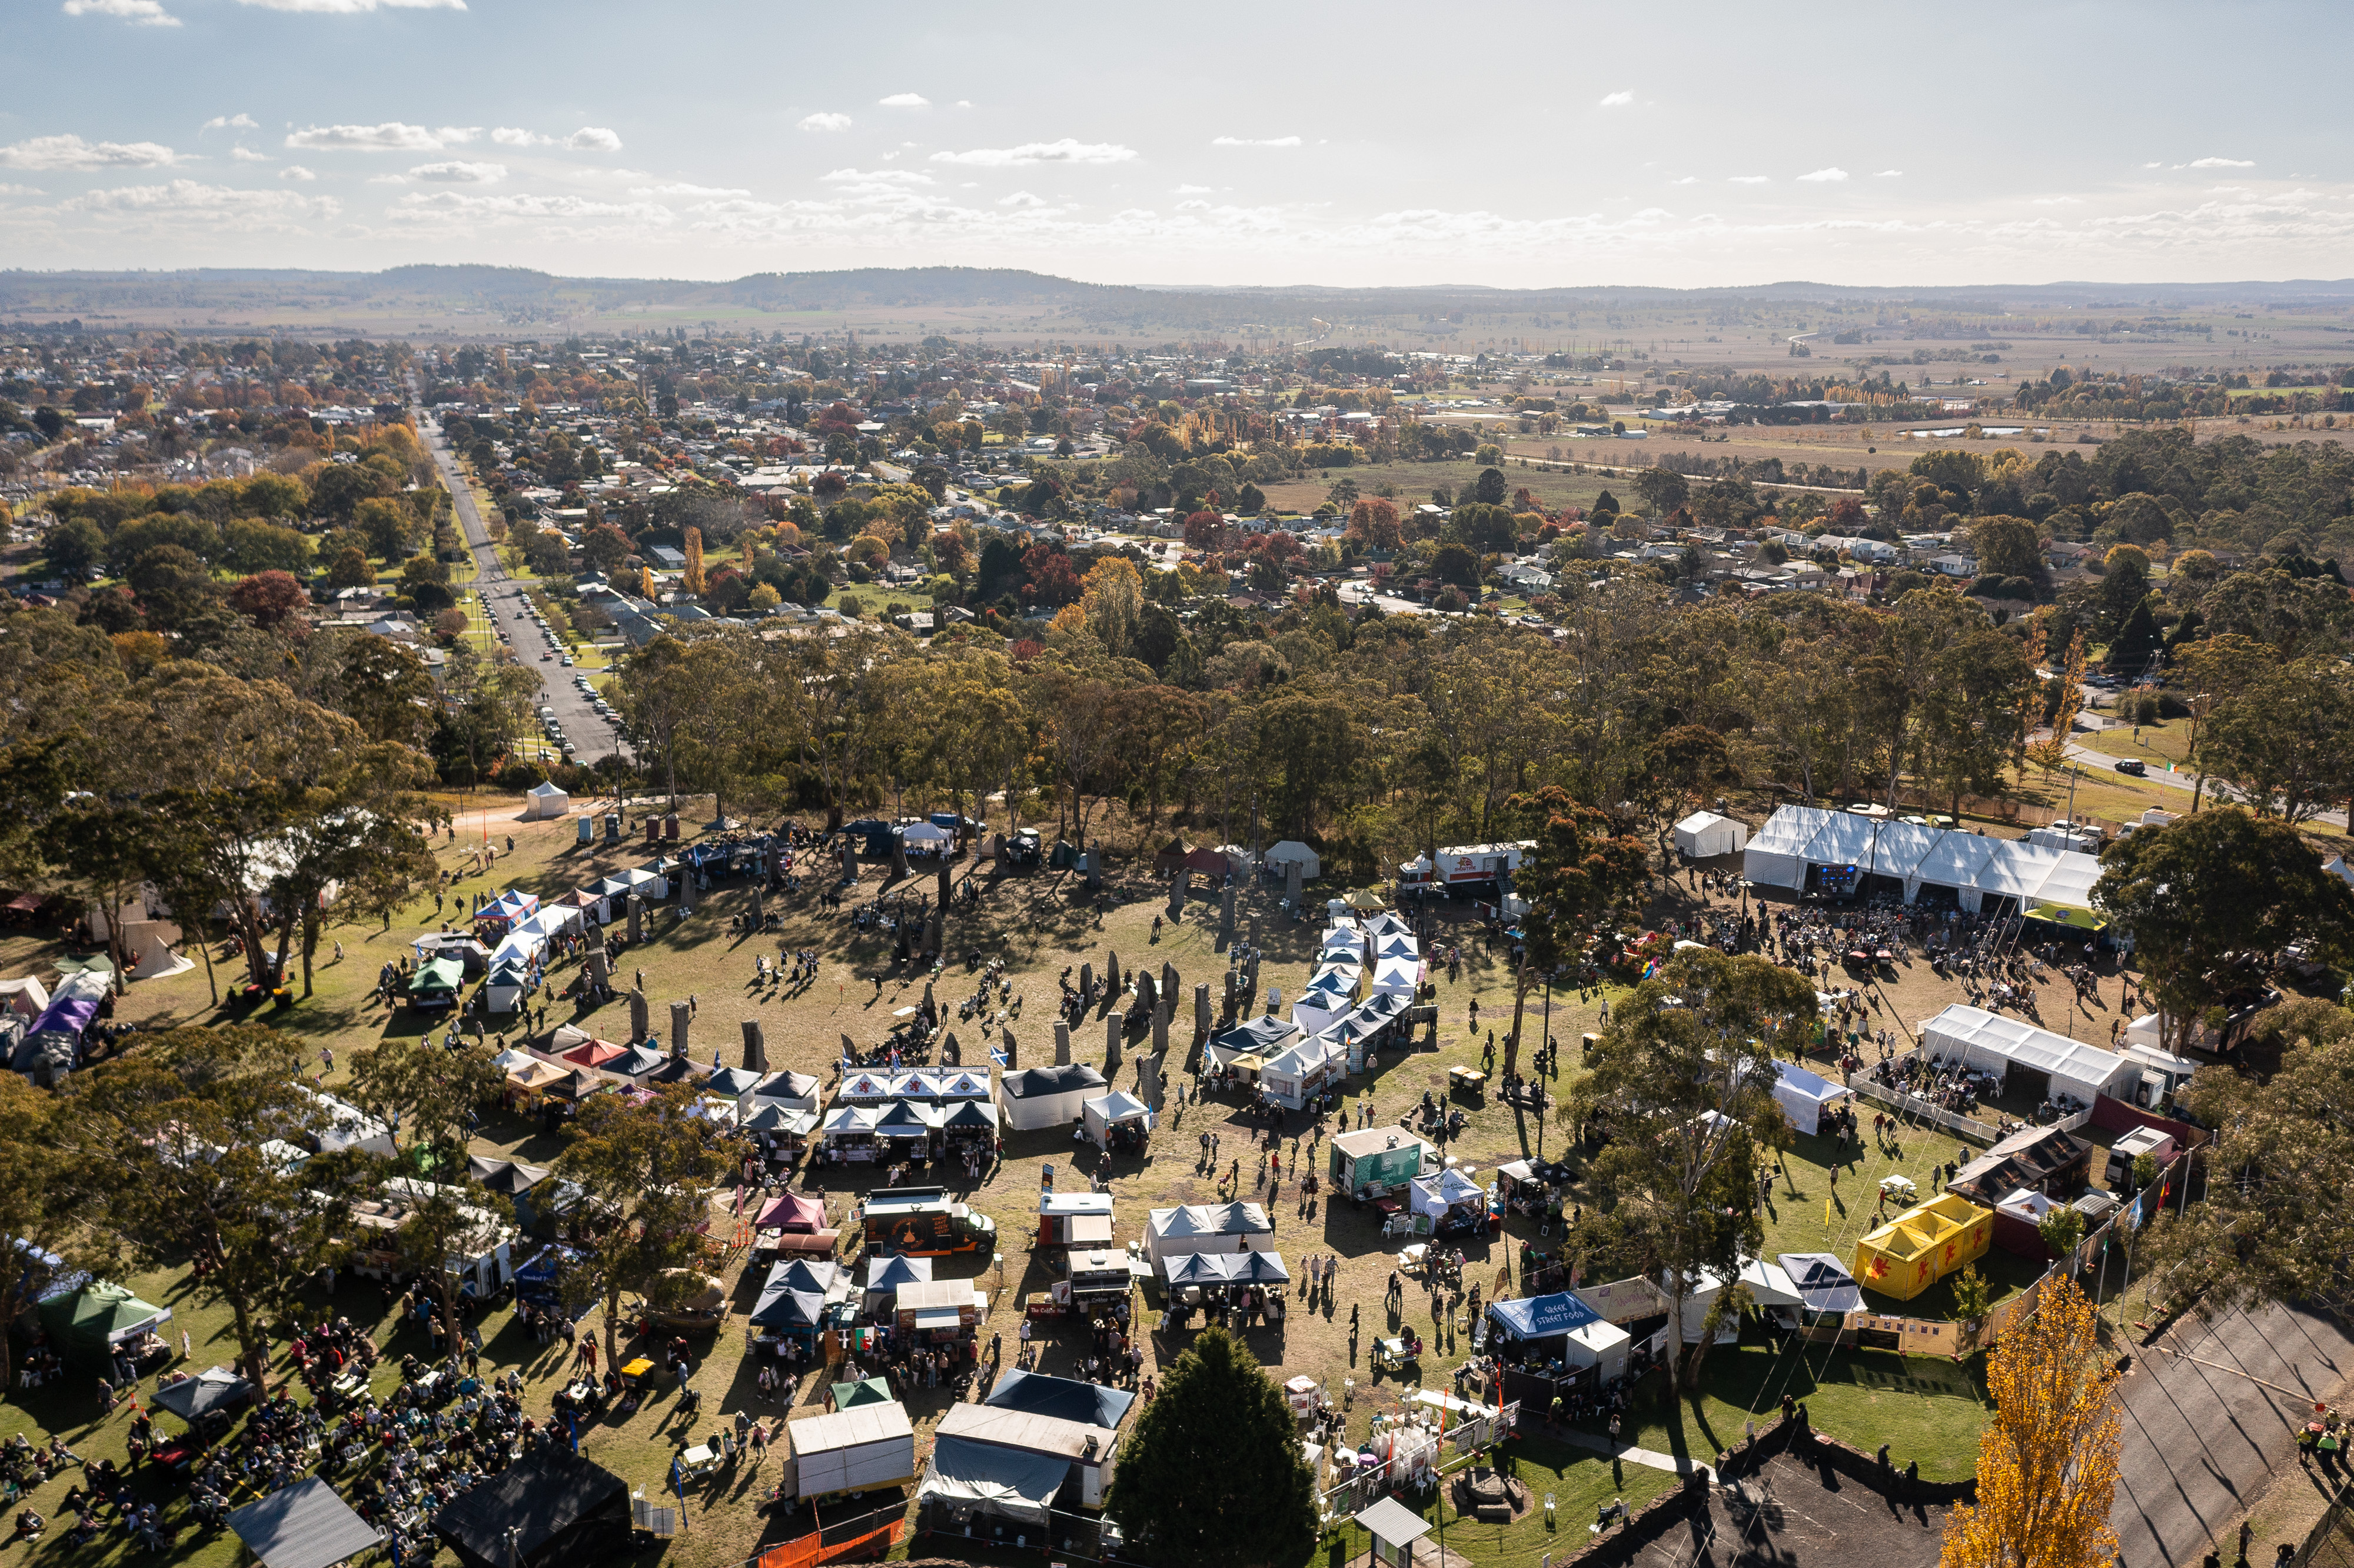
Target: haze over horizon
1249, 148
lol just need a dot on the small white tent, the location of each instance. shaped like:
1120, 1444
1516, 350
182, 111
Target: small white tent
1036, 1098
544, 802
1118, 1109
1280, 858
1704, 835
1803, 1094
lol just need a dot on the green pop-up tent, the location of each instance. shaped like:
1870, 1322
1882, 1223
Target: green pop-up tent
87, 1322
436, 982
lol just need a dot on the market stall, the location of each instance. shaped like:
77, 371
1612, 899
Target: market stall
1173, 1234
847, 1135
1036, 1098
1558, 1339
791, 1223
1451, 1203
1118, 1120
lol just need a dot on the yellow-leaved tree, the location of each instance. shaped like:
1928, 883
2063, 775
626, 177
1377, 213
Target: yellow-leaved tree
694, 581
2048, 1460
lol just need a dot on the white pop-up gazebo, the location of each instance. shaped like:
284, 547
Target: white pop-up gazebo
544, 802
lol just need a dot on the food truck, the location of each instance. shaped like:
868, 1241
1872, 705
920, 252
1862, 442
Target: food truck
925, 1222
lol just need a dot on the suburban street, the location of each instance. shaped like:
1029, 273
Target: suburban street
2201, 1440
2184, 783
592, 738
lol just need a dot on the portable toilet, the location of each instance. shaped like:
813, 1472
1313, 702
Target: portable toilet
587, 830
653, 831
669, 826
612, 827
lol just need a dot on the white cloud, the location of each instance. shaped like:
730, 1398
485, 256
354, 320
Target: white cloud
905, 101
1192, 190
456, 207
1748, 179
1194, 204
1066, 150
823, 121
681, 188
2057, 201
139, 13
1254, 141
907, 178
594, 139
354, 7
391, 136
1021, 198
1616, 100
230, 122
248, 155
296, 172
73, 152
460, 174
1889, 175
21, 190
1687, 180
193, 197
2220, 164
516, 136
1829, 176
2153, 166
964, 103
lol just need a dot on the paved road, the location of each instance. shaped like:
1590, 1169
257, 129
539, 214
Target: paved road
2201, 1440
2101, 762
590, 735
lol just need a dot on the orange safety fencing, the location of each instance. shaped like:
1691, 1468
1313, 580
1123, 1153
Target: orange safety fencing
811, 1550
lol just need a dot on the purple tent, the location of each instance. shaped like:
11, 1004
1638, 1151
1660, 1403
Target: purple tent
66, 1015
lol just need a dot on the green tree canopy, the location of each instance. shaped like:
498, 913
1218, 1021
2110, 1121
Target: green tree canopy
1212, 1477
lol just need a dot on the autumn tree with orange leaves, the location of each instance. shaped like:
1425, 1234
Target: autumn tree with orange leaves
2048, 1461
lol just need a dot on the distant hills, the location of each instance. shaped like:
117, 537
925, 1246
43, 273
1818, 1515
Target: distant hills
521, 296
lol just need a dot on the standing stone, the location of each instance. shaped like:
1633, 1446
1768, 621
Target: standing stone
930, 1010
637, 919
639, 1028
592, 968
680, 1012
1234, 991
1114, 1025
596, 937
849, 857
759, 921
948, 863
1170, 984
1147, 1080
1259, 932
1111, 974
1161, 1028
1226, 915
951, 1054
1147, 993
1202, 1011
1086, 982
756, 1048
1292, 883
1012, 1052
1062, 1043
898, 857
934, 933
1177, 894
685, 888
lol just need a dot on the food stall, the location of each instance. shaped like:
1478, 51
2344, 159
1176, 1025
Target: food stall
1237, 1288
1073, 1219
846, 1135
1376, 1163
1531, 1187
1173, 1234
1451, 1203
937, 1312
792, 1225
969, 1132
1550, 1346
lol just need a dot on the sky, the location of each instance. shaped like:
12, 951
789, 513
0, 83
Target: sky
1550, 145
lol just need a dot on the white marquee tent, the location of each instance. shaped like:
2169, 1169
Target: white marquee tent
1991, 1043
1797, 837
1283, 856
1704, 835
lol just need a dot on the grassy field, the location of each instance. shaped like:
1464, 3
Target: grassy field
1038, 925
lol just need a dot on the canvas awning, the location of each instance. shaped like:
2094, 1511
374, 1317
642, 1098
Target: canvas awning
986, 1479
1541, 1317
305, 1525
216, 1388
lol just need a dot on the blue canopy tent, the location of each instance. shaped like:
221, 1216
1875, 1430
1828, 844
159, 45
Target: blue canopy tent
1823, 1283
1541, 1317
